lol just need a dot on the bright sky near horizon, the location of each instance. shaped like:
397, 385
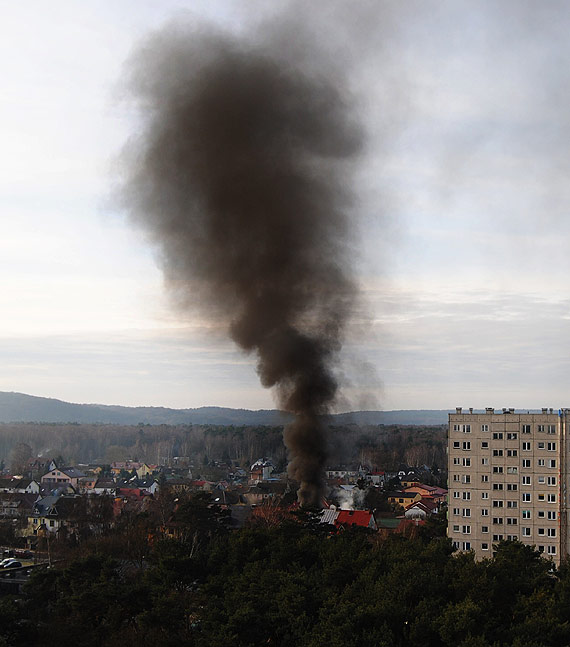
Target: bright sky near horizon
463, 199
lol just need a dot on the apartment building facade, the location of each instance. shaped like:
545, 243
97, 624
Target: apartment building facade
508, 478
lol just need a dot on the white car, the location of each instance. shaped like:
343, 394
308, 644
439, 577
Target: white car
10, 562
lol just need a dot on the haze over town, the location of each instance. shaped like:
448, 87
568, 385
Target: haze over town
462, 209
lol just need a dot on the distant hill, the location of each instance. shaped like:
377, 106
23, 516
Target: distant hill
19, 407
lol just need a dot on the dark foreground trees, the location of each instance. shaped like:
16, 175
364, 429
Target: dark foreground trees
293, 585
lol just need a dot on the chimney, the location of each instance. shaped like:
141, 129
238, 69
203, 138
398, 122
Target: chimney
490, 410
458, 409
470, 409
544, 409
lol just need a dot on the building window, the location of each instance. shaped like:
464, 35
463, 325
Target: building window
541, 462
484, 461
456, 511
540, 549
512, 470
498, 435
526, 447
466, 530
484, 512
551, 447
466, 545
541, 497
467, 496
484, 546
542, 480
526, 532
456, 495
466, 478
512, 521
527, 497
484, 427
497, 537
456, 478
551, 480
466, 429
541, 514
497, 452
540, 428
497, 486
512, 452
466, 445
497, 504
497, 521
466, 462
484, 528
456, 528
484, 478
541, 531
484, 495
551, 532
485, 444
512, 436
512, 487
551, 550
540, 445
526, 462
551, 429
457, 461
526, 514
512, 504
526, 480
552, 515
497, 469
456, 444
466, 512
551, 462
551, 498
526, 429
456, 427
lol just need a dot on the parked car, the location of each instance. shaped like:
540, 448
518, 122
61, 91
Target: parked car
10, 562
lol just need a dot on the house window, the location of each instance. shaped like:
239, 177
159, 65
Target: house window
466, 545
526, 429
551, 429
485, 444
466, 512
497, 486
467, 496
551, 447
498, 435
51, 522
552, 515
540, 445
456, 444
526, 532
526, 447
466, 429
526, 462
497, 469
484, 512
497, 452
551, 462
540, 462
512, 504
497, 504
527, 497
466, 462
512, 487
526, 480
484, 528
497, 521
484, 546
540, 428
497, 537
512, 470
551, 480
35, 521
466, 445
551, 550
484, 478
512, 436
551, 498
466, 530
526, 514
456, 511
484, 461
484, 427
551, 532
512, 452
484, 495
512, 521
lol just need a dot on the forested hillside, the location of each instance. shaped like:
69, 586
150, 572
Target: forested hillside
376, 445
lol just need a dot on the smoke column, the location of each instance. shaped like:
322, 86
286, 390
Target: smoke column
239, 176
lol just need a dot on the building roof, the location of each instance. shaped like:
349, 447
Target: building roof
353, 518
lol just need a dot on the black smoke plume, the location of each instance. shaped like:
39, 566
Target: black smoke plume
239, 175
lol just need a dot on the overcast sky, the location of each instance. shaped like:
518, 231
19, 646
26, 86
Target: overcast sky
463, 208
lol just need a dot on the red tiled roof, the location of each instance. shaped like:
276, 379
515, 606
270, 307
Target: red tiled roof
353, 518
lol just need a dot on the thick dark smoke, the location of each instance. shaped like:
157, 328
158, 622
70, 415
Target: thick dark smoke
239, 175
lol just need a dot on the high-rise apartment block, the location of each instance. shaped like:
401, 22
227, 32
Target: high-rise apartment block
508, 480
